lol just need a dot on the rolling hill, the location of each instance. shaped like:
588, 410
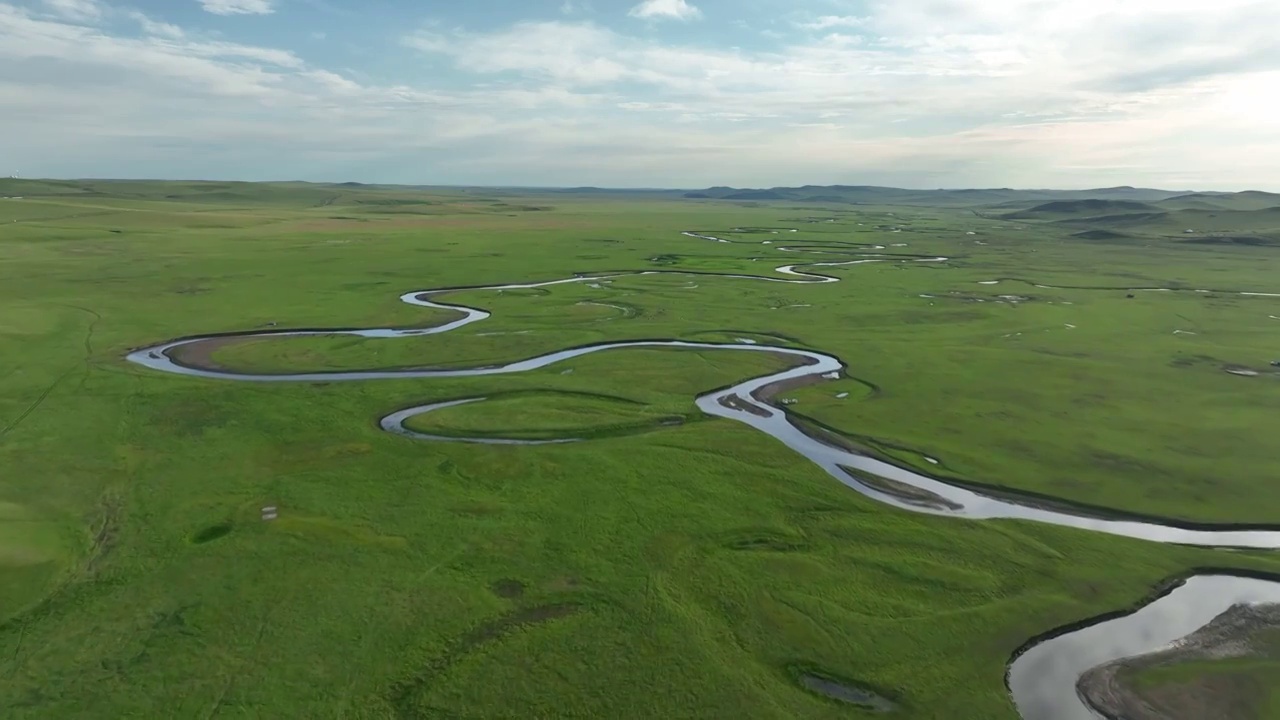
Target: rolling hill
1247, 200
1088, 208
1197, 226
1031, 204
974, 197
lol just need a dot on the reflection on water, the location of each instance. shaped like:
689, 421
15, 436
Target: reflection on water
1043, 680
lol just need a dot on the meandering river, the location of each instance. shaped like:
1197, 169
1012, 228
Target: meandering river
1041, 679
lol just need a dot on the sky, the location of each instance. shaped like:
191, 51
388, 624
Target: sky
1179, 94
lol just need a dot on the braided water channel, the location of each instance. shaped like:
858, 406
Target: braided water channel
1042, 679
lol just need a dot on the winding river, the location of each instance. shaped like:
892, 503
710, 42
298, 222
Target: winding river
1041, 679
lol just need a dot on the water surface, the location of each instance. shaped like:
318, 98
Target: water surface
1043, 680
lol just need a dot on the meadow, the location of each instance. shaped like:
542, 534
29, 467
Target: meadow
672, 565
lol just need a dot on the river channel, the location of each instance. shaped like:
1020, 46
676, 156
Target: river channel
1042, 679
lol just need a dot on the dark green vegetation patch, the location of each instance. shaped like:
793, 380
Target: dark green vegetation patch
213, 532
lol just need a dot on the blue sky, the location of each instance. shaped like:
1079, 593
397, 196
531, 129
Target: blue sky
646, 93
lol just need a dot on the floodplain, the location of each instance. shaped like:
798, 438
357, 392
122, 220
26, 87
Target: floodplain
1091, 358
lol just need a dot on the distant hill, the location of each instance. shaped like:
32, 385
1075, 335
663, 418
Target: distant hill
756, 195
1099, 235
974, 197
1145, 195
1192, 225
233, 194
1247, 240
16, 186
1128, 220
598, 191
1196, 201
1101, 204
1091, 207
1248, 200
1201, 218
191, 191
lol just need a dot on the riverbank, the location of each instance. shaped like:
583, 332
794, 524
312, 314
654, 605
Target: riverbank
1195, 678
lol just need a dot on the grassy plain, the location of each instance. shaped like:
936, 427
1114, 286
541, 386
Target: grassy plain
683, 571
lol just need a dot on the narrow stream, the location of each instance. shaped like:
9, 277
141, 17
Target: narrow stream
1041, 680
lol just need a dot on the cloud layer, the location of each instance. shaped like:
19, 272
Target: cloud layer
75, 9
668, 9
928, 93
237, 7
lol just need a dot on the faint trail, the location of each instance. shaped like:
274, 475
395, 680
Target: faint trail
88, 338
37, 403
88, 346
102, 536
17, 649
101, 544
370, 617
229, 685
88, 342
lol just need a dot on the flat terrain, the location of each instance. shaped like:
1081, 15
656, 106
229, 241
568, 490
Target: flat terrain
661, 568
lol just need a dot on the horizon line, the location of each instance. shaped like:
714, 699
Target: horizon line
623, 188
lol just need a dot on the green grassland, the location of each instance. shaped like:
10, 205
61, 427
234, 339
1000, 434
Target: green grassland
544, 415
659, 570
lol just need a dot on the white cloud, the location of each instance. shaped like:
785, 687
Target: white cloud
934, 93
652, 106
217, 67
827, 22
428, 40
969, 87
76, 9
154, 27
670, 9
238, 7
183, 102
